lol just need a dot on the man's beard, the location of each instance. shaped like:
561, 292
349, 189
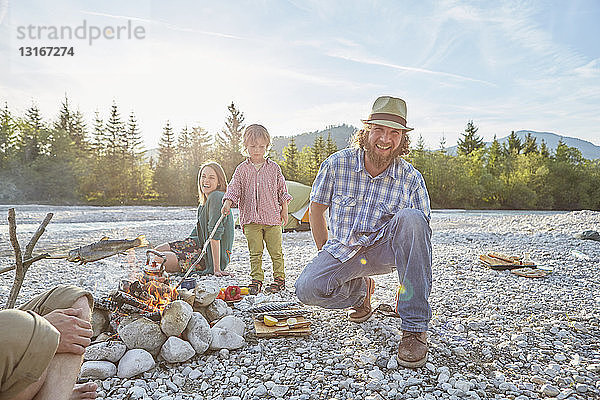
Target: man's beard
380, 161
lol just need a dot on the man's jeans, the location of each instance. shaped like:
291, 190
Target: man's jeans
405, 246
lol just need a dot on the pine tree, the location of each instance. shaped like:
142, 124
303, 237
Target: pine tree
200, 146
185, 168
229, 143
530, 145
420, 146
544, 152
72, 124
115, 136
165, 182
8, 134
133, 138
166, 146
330, 146
133, 163
98, 136
494, 158
442, 148
289, 165
317, 156
514, 143
470, 140
33, 138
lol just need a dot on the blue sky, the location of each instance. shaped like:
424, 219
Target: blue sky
298, 66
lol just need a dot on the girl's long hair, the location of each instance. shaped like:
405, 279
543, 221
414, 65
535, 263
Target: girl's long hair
221, 180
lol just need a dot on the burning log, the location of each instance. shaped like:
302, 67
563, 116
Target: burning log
153, 316
127, 299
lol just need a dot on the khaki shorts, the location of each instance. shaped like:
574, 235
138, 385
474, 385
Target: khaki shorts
28, 341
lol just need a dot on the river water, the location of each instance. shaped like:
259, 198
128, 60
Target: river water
73, 226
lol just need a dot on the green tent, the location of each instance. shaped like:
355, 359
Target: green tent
298, 207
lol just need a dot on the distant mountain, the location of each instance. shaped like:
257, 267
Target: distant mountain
340, 134
588, 150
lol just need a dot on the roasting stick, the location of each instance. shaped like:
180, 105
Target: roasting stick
191, 268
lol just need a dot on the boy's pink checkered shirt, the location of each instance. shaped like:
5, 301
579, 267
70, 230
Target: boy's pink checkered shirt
260, 194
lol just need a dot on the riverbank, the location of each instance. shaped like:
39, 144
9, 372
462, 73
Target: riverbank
493, 334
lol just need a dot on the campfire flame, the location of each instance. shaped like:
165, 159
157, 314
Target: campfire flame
160, 294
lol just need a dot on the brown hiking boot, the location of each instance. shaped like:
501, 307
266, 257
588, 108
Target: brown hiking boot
412, 350
364, 311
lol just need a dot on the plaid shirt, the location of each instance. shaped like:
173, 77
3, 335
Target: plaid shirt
360, 206
260, 194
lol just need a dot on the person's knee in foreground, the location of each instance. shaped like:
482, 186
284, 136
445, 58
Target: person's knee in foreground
379, 222
258, 187
43, 344
182, 254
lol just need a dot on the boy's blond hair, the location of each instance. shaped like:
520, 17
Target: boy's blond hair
255, 132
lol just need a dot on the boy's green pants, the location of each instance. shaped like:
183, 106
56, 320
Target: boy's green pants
256, 234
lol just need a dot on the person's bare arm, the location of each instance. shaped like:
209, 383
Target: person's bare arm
318, 223
215, 249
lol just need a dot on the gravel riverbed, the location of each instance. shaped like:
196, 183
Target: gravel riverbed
493, 334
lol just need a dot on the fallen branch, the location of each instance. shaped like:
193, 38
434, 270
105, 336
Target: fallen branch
21, 267
27, 262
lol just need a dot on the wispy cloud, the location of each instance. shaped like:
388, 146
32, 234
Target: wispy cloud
589, 70
372, 61
166, 25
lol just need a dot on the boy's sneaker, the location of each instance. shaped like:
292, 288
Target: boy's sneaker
255, 287
276, 286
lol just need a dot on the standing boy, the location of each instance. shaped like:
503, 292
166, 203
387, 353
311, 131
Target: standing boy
258, 186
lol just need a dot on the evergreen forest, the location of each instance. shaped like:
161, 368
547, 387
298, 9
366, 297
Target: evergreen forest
68, 161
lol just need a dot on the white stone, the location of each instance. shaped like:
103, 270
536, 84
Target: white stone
260, 390
217, 310
175, 318
142, 334
392, 363
278, 390
206, 292
198, 333
549, 390
136, 392
376, 374
135, 362
105, 351
223, 339
232, 323
177, 350
195, 374
97, 370
99, 321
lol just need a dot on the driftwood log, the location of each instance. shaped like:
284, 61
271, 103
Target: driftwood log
22, 260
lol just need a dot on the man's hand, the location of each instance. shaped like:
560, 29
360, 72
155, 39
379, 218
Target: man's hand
226, 207
318, 223
75, 333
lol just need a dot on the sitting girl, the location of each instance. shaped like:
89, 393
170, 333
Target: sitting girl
181, 254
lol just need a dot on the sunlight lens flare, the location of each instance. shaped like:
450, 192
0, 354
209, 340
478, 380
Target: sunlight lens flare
405, 292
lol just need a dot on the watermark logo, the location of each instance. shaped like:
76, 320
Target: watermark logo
84, 31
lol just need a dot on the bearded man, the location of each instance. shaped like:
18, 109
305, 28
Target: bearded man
379, 222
